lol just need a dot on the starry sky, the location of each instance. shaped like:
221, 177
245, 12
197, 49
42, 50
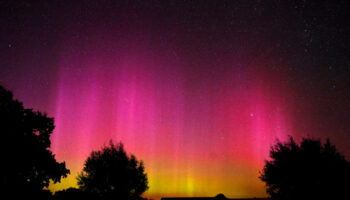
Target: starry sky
198, 90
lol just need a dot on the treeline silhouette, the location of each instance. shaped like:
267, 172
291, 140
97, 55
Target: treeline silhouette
29, 165
309, 170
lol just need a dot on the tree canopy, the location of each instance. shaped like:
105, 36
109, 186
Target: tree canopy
28, 164
311, 170
111, 173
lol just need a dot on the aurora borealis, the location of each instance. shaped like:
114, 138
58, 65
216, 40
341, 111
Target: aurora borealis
175, 126
197, 90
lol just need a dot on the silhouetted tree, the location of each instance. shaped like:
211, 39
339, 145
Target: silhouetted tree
73, 194
28, 165
311, 170
111, 173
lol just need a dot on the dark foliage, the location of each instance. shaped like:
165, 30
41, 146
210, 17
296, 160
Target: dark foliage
311, 170
28, 165
73, 194
111, 173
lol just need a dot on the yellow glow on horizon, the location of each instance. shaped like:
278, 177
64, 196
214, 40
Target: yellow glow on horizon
187, 179
70, 181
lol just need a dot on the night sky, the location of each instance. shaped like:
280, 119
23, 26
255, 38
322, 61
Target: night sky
198, 90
